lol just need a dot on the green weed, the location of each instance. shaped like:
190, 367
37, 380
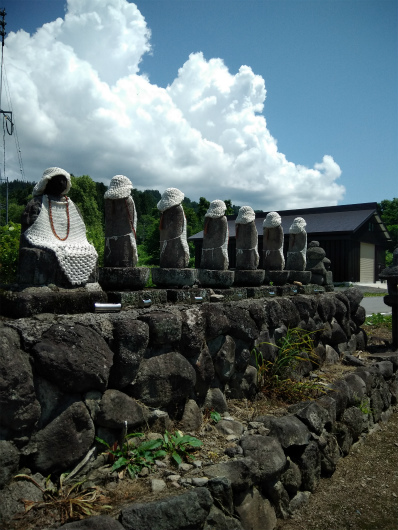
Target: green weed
68, 502
131, 457
274, 377
178, 446
378, 320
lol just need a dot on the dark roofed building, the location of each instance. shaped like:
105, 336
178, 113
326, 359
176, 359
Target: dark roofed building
353, 236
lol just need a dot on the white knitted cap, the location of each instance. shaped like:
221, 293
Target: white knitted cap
298, 225
272, 220
47, 176
171, 197
216, 209
245, 215
119, 188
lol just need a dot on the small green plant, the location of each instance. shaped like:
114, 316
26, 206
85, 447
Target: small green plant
274, 377
178, 445
215, 416
131, 457
67, 501
369, 295
363, 405
9, 250
378, 320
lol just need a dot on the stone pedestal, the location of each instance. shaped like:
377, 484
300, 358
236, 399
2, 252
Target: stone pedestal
249, 278
123, 278
303, 277
26, 302
174, 278
214, 278
276, 277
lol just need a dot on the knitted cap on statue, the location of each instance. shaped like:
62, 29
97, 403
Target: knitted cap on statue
47, 176
119, 188
245, 215
216, 209
272, 220
171, 197
60, 228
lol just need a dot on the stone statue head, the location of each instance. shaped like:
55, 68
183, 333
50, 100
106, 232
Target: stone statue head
119, 188
55, 181
171, 197
272, 220
216, 209
298, 226
245, 215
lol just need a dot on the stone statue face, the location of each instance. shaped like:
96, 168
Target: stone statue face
56, 185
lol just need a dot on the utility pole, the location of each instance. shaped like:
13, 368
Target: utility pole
7, 115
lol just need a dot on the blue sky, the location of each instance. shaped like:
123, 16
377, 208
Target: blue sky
329, 69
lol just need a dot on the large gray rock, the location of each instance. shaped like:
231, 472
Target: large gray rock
289, 430
221, 491
19, 408
354, 419
164, 381
164, 327
242, 326
330, 453
267, 452
52, 400
188, 510
131, 341
116, 408
192, 332
11, 497
98, 522
64, 441
216, 321
255, 511
204, 369
305, 305
9, 461
313, 415
326, 307
218, 520
224, 360
215, 400
242, 473
291, 478
310, 467
354, 296
75, 358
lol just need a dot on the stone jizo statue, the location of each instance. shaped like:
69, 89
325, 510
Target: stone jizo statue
174, 250
247, 257
53, 247
215, 238
273, 259
296, 256
120, 224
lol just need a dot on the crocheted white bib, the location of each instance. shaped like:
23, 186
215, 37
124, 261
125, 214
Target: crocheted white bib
76, 257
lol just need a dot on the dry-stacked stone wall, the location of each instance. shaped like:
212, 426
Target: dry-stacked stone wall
65, 379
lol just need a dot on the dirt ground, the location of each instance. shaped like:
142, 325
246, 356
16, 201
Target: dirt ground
361, 495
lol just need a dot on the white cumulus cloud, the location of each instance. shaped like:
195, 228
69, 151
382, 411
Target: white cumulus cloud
81, 103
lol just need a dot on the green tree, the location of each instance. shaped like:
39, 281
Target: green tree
388, 211
85, 194
9, 249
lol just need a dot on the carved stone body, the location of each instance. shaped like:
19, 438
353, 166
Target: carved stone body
174, 252
273, 248
215, 242
247, 257
120, 236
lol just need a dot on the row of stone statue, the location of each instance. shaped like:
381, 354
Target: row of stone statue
54, 236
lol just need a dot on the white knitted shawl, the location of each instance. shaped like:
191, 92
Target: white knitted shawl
245, 215
76, 257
